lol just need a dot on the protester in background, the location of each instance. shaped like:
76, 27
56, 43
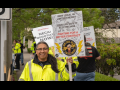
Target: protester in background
86, 68
33, 46
22, 47
45, 67
17, 52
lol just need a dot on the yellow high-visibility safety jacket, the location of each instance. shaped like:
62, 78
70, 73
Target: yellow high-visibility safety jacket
32, 47
50, 52
74, 60
13, 50
34, 72
17, 49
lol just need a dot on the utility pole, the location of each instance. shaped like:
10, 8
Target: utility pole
3, 41
9, 50
5, 44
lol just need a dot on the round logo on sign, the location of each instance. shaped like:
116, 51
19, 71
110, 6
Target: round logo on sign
69, 47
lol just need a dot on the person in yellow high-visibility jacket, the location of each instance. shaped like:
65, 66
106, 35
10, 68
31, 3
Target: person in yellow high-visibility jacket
45, 67
33, 47
17, 52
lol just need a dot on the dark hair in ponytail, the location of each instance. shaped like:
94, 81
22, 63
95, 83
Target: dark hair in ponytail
52, 60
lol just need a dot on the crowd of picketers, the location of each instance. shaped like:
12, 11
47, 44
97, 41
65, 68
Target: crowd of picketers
46, 67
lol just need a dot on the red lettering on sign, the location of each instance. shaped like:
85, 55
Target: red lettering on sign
42, 29
89, 39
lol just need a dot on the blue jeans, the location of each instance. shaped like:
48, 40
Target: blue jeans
21, 57
84, 76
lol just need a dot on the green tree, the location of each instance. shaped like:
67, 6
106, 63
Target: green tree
23, 18
91, 17
110, 14
36, 17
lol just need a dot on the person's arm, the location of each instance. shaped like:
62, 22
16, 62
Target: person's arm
23, 47
73, 64
13, 49
59, 58
25, 74
98, 58
64, 72
97, 54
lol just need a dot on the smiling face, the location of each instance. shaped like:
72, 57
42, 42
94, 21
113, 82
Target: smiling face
42, 52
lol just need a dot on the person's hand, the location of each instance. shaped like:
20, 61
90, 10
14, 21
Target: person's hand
69, 60
59, 58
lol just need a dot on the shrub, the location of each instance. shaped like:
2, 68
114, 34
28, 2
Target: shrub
29, 50
110, 59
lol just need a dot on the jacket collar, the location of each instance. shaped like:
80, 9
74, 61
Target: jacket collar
36, 61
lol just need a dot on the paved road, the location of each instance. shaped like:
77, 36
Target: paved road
116, 76
26, 56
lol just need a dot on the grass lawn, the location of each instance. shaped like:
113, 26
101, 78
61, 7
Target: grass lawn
98, 77
101, 77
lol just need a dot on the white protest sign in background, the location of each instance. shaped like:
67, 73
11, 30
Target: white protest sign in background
90, 35
68, 34
44, 33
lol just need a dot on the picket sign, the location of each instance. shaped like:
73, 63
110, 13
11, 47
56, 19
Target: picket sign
68, 35
90, 35
43, 33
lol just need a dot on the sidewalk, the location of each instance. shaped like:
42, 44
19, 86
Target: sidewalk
26, 57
